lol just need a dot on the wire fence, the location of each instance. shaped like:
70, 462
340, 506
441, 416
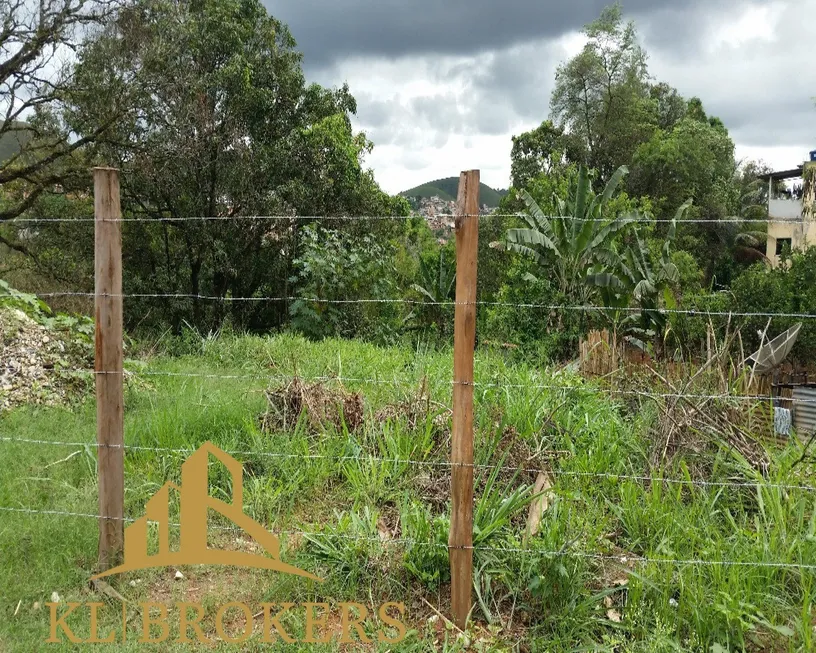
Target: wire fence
363, 218
740, 485
622, 559
588, 308
496, 385
368, 458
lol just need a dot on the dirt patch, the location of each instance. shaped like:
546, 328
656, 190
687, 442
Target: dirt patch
39, 365
433, 486
317, 402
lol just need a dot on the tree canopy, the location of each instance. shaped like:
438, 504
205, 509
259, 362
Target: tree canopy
36, 147
601, 95
217, 120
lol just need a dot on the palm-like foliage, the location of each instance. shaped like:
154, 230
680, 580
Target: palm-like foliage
580, 250
748, 203
580, 237
633, 281
436, 285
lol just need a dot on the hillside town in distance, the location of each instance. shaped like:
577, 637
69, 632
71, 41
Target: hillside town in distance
439, 213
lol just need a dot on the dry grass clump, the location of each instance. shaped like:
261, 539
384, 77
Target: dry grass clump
320, 404
696, 425
415, 409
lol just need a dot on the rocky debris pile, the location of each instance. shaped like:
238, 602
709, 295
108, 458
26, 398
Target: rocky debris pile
39, 365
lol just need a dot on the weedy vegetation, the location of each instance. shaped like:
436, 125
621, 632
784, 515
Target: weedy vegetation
363, 502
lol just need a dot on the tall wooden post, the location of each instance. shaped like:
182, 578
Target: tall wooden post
460, 541
108, 364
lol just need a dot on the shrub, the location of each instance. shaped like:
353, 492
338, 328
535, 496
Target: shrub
334, 266
790, 288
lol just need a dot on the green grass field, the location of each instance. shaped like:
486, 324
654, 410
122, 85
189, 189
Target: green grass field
377, 524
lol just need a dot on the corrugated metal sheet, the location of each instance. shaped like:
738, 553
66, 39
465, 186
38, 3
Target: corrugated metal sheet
804, 412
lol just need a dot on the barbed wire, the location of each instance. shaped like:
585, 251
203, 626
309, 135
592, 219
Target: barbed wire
356, 218
220, 218
691, 312
476, 384
623, 559
431, 463
445, 464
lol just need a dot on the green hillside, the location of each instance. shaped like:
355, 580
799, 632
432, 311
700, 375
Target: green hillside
12, 141
446, 189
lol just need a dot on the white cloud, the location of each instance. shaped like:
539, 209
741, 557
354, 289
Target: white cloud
432, 116
778, 157
754, 23
761, 86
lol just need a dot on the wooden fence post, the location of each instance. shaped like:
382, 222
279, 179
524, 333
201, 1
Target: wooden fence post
108, 364
460, 541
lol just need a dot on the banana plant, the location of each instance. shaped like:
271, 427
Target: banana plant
580, 237
436, 286
631, 281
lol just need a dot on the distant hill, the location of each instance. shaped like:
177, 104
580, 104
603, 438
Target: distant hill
13, 140
446, 189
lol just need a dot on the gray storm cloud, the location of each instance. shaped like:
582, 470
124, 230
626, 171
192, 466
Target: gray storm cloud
329, 29
489, 66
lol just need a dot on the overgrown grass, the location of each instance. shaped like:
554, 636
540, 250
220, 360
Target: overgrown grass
378, 525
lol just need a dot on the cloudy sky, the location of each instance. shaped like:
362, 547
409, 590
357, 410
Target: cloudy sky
442, 85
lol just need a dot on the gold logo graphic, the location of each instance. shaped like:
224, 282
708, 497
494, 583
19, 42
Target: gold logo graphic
195, 501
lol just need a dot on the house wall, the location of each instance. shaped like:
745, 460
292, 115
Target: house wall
796, 219
801, 233
783, 209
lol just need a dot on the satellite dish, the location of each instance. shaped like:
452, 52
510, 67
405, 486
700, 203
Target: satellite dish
772, 353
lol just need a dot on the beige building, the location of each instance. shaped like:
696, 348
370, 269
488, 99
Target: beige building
792, 221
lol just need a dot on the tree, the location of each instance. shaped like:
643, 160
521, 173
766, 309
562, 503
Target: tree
696, 159
543, 150
669, 105
601, 96
335, 265
787, 289
219, 123
746, 198
36, 147
686, 161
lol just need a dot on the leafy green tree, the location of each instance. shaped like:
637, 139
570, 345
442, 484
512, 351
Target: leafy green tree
669, 105
695, 159
543, 150
220, 122
690, 276
601, 96
688, 161
786, 289
334, 265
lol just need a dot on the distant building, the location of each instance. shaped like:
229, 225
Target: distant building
791, 213
440, 214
